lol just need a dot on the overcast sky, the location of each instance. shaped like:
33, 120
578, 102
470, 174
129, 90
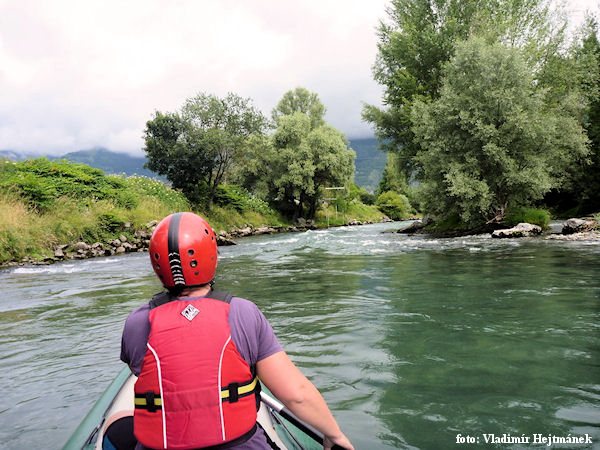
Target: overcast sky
79, 74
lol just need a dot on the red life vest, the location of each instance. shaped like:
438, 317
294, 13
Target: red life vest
194, 388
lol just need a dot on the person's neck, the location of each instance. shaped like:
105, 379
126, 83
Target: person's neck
195, 292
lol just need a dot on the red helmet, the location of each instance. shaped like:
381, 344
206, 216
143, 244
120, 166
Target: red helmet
183, 250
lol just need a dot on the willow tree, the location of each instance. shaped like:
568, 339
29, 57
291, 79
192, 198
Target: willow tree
421, 36
490, 141
290, 167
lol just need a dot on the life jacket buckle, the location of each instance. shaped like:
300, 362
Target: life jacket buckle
150, 401
234, 395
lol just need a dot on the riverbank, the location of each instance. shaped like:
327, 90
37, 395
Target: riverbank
138, 240
573, 229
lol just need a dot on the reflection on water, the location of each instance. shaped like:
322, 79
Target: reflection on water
412, 340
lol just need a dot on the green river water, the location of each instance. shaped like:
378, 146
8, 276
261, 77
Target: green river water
412, 340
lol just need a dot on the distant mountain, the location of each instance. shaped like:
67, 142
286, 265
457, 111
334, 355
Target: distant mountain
369, 162
15, 156
110, 162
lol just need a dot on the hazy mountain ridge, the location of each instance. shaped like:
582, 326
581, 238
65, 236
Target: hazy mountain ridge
369, 161
111, 162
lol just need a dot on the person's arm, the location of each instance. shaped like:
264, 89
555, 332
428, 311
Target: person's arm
299, 395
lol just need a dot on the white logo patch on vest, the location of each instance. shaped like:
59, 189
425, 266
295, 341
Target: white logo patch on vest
190, 312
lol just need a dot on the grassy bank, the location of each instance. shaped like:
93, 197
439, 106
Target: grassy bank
44, 204
353, 211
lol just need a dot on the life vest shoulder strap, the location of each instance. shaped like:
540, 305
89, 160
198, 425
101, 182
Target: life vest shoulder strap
220, 295
160, 299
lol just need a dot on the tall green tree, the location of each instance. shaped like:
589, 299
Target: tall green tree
197, 146
573, 80
304, 101
420, 37
489, 141
290, 167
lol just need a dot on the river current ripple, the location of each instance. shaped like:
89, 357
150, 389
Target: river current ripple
411, 340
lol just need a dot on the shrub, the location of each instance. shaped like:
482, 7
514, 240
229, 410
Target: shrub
394, 205
520, 214
41, 181
238, 198
367, 198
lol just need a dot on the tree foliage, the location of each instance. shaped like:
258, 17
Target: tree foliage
303, 101
392, 178
290, 167
489, 141
574, 82
420, 38
394, 205
197, 146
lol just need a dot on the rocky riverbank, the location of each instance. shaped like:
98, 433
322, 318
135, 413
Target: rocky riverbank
139, 240
575, 229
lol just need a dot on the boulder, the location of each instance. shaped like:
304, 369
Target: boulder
301, 222
579, 225
142, 234
246, 231
152, 224
521, 230
120, 250
416, 226
81, 246
263, 230
224, 241
59, 253
354, 222
123, 238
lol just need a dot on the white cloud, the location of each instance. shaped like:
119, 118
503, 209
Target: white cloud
81, 74
77, 74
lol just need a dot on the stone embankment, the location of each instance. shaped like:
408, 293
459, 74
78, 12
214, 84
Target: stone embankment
140, 241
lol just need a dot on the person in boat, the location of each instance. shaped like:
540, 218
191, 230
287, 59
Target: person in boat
198, 354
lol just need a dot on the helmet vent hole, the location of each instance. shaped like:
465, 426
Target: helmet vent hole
158, 266
196, 273
193, 263
206, 231
156, 256
191, 252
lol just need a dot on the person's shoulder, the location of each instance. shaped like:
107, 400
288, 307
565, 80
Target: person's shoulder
138, 316
242, 303
245, 310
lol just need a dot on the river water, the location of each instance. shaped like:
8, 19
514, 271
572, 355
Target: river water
411, 340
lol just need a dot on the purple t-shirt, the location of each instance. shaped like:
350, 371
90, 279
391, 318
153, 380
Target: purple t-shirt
251, 333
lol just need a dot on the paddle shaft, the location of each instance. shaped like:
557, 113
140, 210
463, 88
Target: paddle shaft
287, 414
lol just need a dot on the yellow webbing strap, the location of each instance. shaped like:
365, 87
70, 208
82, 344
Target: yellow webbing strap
242, 389
142, 401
